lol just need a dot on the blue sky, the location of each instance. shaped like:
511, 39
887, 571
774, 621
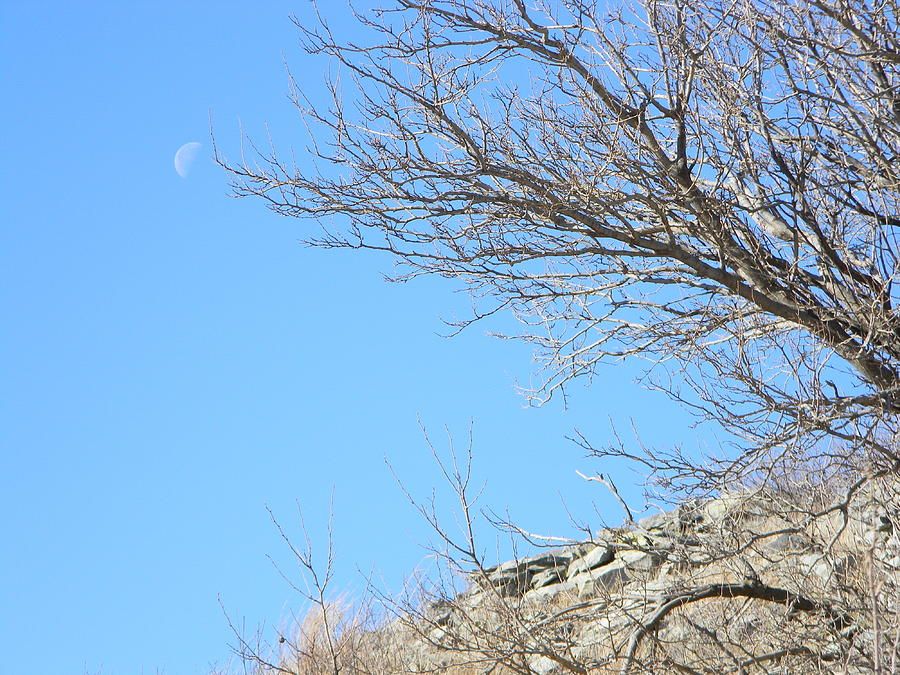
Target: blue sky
174, 361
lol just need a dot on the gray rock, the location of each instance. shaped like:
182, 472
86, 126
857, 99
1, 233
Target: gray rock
543, 665
512, 583
638, 560
549, 576
787, 541
598, 556
514, 577
553, 558
439, 613
734, 505
664, 522
548, 593
818, 564
608, 577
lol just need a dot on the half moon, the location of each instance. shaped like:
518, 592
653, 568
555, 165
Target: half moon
185, 157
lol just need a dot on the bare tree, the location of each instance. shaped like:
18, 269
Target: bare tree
709, 185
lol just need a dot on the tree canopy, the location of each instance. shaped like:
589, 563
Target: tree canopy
710, 185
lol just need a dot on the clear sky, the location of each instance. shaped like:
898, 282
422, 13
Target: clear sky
172, 361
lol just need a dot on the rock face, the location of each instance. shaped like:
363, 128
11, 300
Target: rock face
732, 581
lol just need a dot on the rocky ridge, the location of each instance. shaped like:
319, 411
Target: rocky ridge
750, 581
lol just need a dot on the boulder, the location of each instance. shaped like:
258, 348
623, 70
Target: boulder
543, 665
590, 583
638, 560
600, 555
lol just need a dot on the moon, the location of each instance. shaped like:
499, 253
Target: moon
185, 157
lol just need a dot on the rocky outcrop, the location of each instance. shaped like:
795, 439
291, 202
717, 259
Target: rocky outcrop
746, 578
